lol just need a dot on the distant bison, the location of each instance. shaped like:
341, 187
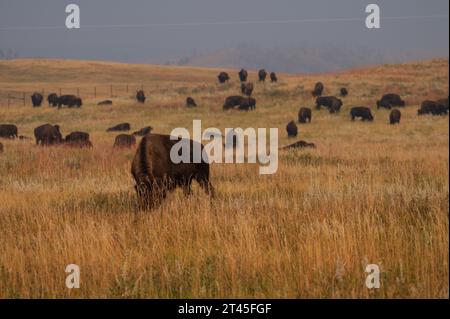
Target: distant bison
331, 102
8, 131
299, 144
190, 102
262, 75
389, 101
247, 104
47, 135
78, 139
247, 89
344, 92
223, 77
140, 96
318, 89
304, 115
292, 129
105, 102
156, 174
232, 101
36, 99
144, 131
444, 103
120, 127
70, 101
273, 77
53, 99
395, 116
361, 112
433, 107
243, 74
124, 141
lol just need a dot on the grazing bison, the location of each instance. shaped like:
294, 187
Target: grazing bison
433, 107
156, 174
344, 92
331, 102
262, 75
223, 77
243, 74
444, 103
8, 131
232, 101
47, 135
318, 89
120, 127
395, 116
78, 139
299, 144
125, 141
247, 104
361, 112
247, 89
70, 101
53, 99
273, 77
292, 129
190, 102
105, 102
36, 99
389, 101
304, 115
144, 131
140, 96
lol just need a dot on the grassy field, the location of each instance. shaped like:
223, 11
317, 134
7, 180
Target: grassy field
371, 193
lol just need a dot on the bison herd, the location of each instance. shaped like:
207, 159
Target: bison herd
155, 174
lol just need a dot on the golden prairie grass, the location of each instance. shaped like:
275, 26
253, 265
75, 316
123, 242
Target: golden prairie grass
370, 193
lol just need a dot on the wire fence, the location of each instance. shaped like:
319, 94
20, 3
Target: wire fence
17, 97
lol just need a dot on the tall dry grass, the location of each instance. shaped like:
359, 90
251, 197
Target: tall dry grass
370, 193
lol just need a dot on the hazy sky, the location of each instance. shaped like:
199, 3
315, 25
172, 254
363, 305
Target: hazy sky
157, 43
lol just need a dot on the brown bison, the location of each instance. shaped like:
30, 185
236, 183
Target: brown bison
243, 74
273, 77
304, 115
262, 75
247, 89
433, 107
47, 135
53, 99
70, 101
395, 116
247, 104
299, 144
125, 141
331, 102
105, 102
292, 129
156, 174
8, 131
223, 77
318, 89
120, 127
78, 139
190, 102
344, 92
232, 101
361, 112
391, 100
37, 99
144, 131
140, 96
